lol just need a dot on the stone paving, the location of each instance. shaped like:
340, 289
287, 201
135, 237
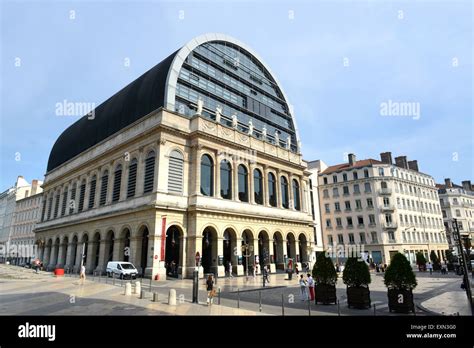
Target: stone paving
23, 292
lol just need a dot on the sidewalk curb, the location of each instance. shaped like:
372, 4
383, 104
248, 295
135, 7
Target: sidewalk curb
430, 312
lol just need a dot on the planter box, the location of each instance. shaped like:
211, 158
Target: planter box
325, 294
358, 297
59, 272
400, 301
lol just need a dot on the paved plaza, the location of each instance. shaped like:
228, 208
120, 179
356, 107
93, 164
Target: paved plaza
23, 292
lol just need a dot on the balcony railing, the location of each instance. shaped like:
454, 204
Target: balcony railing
350, 227
388, 208
390, 225
391, 241
360, 226
385, 191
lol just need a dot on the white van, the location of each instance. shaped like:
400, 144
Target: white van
121, 269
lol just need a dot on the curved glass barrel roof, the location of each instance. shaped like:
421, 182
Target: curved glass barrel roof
214, 68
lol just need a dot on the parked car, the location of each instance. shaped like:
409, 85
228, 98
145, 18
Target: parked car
121, 269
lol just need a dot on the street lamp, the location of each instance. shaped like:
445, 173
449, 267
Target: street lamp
246, 252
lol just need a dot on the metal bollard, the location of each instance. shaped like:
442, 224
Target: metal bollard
113, 278
375, 308
309, 307
282, 304
219, 296
259, 301
338, 308
238, 298
155, 297
142, 294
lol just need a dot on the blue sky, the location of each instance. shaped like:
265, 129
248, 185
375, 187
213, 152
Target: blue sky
336, 60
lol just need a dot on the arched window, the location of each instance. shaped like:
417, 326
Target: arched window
117, 183
132, 178
383, 184
56, 205
272, 197
103, 187
92, 188
296, 194
149, 172
82, 192
257, 186
175, 172
207, 176
243, 184
226, 180
284, 192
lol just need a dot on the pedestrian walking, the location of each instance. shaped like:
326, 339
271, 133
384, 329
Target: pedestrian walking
210, 290
296, 269
430, 267
303, 285
311, 287
230, 270
82, 275
265, 274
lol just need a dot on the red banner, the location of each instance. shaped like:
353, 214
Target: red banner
163, 238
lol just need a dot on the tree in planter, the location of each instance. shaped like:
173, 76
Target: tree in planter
325, 278
421, 261
356, 276
452, 260
435, 261
400, 281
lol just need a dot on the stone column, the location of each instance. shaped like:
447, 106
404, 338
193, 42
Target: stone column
220, 252
290, 192
52, 258
61, 256
87, 193
278, 189
271, 251
102, 253
46, 255
238, 269
78, 256
265, 186
90, 256
251, 184
134, 256
140, 173
194, 245
183, 241
255, 253
118, 248
217, 175
110, 185
70, 249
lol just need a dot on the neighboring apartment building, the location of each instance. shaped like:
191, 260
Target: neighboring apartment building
386, 207
197, 161
457, 202
315, 167
8, 205
27, 214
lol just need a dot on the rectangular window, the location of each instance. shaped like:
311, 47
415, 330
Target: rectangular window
366, 173
326, 207
337, 206
334, 178
381, 172
325, 193
330, 240
340, 239
82, 192
360, 220
362, 237
356, 189
349, 222
371, 219
347, 205
72, 200
367, 187
325, 181
339, 222
358, 204
328, 223
374, 237
345, 190
344, 177
351, 238
370, 203
355, 175
63, 206
335, 192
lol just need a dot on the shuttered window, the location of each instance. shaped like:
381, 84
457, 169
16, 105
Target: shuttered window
64, 203
50, 206
92, 192
72, 203
82, 192
56, 206
175, 172
132, 178
103, 188
117, 183
149, 172
43, 211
